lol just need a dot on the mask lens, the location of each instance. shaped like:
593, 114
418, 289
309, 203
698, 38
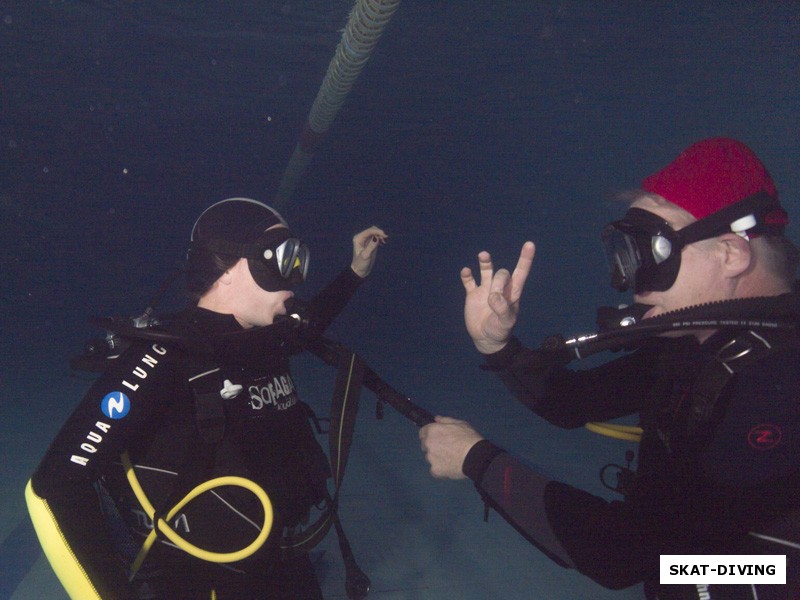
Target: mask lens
284, 257
623, 255
302, 261
292, 257
642, 251
661, 247
282, 262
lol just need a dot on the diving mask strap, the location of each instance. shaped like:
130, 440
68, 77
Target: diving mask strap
742, 218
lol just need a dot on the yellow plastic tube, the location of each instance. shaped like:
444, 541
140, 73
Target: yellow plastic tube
163, 525
627, 433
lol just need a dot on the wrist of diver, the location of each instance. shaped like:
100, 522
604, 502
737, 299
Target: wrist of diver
503, 357
356, 272
487, 348
479, 458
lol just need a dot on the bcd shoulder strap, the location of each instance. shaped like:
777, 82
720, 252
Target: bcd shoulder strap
744, 350
344, 406
210, 424
208, 406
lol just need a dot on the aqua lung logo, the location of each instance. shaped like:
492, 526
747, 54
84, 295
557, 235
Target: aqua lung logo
115, 405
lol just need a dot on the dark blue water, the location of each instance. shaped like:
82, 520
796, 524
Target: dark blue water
476, 125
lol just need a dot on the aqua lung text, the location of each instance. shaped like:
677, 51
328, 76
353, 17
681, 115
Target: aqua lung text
148, 361
101, 428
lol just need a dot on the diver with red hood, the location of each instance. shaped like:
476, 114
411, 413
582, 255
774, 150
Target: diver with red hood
718, 468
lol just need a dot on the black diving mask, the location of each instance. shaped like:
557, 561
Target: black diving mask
277, 260
644, 251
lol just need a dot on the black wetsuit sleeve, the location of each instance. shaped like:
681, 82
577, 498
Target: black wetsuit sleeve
122, 404
570, 398
572, 527
565, 523
329, 302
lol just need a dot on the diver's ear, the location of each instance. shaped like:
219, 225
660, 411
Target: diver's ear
234, 271
736, 254
225, 278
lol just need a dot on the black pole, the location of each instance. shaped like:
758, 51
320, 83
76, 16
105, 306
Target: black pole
328, 350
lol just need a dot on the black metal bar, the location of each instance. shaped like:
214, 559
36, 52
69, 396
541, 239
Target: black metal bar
328, 351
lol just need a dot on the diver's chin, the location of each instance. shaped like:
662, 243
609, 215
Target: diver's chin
281, 308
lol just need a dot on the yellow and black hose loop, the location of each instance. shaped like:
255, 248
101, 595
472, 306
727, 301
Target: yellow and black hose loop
627, 433
163, 526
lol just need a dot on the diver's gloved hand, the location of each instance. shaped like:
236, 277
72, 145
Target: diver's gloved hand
365, 249
491, 307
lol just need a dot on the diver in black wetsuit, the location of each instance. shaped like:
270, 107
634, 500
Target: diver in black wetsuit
719, 461
183, 416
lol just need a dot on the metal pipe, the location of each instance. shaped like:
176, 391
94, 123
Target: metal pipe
366, 23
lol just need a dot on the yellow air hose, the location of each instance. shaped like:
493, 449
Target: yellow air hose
163, 526
627, 433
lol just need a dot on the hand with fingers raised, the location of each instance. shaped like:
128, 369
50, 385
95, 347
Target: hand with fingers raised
365, 249
491, 306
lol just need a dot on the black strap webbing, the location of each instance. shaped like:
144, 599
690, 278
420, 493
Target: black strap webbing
344, 406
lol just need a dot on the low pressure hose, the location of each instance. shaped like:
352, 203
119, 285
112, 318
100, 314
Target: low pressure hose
162, 525
626, 433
